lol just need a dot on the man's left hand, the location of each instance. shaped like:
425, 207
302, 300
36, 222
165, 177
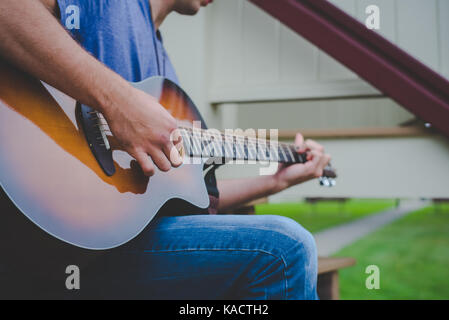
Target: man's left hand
290, 175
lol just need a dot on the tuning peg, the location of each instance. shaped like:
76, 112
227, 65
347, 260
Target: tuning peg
327, 182
324, 181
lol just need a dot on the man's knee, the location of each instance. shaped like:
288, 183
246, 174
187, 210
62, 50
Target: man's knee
295, 242
296, 248
290, 231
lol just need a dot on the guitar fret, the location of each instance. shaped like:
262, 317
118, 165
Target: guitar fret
240, 148
205, 152
252, 150
215, 145
282, 154
197, 145
262, 151
298, 158
218, 147
222, 147
187, 141
292, 157
287, 155
228, 143
205, 146
274, 152
245, 148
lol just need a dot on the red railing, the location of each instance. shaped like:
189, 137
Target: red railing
375, 59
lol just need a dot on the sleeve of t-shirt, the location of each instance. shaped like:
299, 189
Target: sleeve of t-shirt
77, 16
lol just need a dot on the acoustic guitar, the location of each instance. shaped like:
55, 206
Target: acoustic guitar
60, 166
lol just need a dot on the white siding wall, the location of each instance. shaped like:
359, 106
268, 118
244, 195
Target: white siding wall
254, 57
314, 114
373, 168
443, 27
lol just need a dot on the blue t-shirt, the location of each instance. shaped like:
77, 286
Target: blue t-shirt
120, 34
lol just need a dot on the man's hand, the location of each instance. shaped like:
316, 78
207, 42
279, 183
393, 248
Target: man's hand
291, 175
143, 128
235, 192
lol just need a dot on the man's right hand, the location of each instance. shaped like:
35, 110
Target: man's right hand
143, 128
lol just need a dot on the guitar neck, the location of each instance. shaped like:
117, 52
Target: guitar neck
207, 144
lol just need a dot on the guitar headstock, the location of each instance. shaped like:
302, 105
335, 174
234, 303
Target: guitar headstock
328, 177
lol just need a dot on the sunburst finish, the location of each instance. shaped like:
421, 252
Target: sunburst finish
48, 170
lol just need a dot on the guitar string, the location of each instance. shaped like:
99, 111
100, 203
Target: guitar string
237, 140
242, 141
204, 132
290, 147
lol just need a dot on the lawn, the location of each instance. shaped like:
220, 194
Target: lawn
322, 215
412, 255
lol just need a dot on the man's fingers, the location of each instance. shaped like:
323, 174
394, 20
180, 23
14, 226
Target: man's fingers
176, 136
315, 157
315, 164
174, 149
161, 160
299, 139
325, 159
313, 145
174, 154
301, 147
320, 164
304, 146
145, 163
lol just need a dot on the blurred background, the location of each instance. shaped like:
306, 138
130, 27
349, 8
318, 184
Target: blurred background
390, 208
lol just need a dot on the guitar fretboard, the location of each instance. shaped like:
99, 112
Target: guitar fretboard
200, 143
206, 144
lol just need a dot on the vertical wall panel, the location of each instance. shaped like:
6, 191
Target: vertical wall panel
298, 58
224, 47
443, 9
417, 30
329, 68
251, 56
260, 45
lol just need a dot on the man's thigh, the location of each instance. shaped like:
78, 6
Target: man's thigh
203, 257
181, 257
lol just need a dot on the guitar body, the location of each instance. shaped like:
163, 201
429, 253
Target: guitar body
49, 171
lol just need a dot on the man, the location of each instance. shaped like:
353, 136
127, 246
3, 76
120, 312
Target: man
180, 255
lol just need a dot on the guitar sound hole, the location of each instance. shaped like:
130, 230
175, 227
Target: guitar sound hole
96, 139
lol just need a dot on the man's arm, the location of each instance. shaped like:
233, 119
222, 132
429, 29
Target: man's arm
33, 40
51, 6
236, 192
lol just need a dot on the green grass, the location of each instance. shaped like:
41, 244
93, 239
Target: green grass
412, 255
322, 215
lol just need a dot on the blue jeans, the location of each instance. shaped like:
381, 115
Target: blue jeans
212, 257
204, 257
